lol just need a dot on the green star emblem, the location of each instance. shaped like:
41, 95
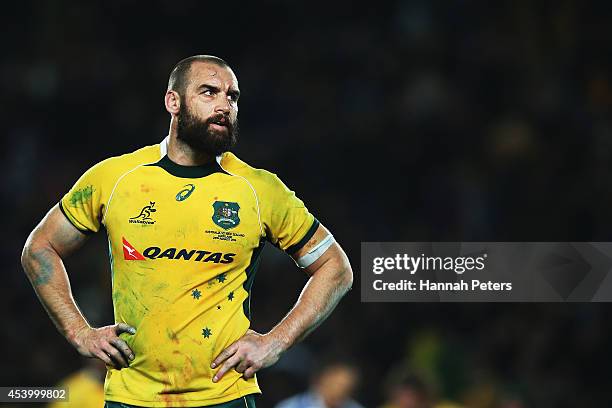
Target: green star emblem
230, 297
221, 278
206, 332
196, 294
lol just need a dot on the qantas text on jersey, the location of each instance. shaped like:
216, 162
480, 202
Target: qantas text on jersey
154, 252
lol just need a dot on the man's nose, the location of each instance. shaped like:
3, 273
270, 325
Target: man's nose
222, 104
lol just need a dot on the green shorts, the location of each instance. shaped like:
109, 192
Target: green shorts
247, 401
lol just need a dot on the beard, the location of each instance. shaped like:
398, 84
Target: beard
199, 136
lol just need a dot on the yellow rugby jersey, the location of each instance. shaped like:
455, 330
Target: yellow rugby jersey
184, 244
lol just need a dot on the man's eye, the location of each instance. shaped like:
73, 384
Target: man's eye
208, 92
233, 98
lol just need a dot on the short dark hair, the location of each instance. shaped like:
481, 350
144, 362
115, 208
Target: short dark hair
330, 362
179, 77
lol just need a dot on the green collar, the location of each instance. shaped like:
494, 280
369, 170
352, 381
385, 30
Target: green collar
179, 170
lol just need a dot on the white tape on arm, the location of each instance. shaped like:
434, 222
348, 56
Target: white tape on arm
316, 252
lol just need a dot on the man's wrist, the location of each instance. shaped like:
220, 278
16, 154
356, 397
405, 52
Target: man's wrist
73, 333
279, 340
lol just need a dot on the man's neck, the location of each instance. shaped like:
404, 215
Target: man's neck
180, 153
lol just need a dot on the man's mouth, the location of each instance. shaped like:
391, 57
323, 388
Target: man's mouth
222, 122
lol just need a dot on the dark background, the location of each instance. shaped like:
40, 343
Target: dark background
393, 121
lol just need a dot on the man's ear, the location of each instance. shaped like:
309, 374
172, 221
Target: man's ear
172, 102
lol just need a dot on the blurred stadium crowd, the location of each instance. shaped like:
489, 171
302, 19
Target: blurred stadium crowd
396, 121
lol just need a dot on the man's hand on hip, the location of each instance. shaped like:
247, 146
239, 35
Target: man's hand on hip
247, 355
104, 343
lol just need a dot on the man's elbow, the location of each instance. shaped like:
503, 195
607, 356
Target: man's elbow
346, 278
32, 247
334, 268
26, 253
344, 270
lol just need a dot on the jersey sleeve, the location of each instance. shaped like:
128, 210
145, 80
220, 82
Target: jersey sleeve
83, 203
289, 225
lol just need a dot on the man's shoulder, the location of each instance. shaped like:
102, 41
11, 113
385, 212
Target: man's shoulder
259, 178
115, 166
236, 166
144, 155
312, 400
305, 399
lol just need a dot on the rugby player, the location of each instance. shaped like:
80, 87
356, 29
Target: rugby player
186, 222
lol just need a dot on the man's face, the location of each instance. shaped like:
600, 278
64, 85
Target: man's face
208, 117
336, 385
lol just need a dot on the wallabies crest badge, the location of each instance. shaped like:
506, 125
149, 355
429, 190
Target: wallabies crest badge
225, 214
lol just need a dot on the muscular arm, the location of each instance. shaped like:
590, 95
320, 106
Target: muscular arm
53, 239
331, 277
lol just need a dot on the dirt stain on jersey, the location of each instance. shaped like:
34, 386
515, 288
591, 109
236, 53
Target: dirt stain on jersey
172, 336
82, 196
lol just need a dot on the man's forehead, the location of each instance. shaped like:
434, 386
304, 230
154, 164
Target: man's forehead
212, 73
